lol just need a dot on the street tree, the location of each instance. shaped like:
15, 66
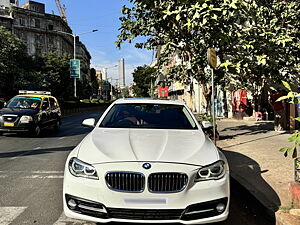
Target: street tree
55, 75
257, 41
143, 76
269, 49
186, 28
13, 62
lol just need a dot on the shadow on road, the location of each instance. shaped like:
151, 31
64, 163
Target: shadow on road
257, 128
35, 152
248, 173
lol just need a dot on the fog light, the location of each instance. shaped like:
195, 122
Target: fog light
72, 203
220, 207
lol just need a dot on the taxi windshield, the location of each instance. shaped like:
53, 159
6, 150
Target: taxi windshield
24, 102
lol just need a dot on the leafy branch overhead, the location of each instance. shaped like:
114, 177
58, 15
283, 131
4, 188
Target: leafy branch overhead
256, 40
293, 98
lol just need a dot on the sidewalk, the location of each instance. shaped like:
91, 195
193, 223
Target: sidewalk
251, 148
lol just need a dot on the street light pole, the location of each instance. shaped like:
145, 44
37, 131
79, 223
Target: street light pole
74, 50
74, 38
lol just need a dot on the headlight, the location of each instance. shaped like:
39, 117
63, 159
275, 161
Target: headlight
214, 171
82, 169
26, 119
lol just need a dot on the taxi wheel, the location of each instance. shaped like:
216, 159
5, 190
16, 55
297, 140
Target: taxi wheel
57, 125
37, 131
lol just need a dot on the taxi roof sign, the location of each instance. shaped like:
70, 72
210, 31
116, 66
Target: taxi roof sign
35, 92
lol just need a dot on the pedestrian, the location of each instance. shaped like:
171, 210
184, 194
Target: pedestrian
279, 111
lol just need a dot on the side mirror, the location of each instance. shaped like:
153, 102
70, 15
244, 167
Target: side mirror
206, 124
89, 122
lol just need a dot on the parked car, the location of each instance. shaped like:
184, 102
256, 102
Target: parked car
30, 111
146, 161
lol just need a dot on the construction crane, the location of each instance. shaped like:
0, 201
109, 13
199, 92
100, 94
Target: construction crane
62, 10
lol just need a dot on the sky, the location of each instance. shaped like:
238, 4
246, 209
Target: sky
87, 15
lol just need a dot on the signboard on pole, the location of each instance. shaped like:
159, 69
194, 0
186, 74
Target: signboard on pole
75, 68
211, 57
106, 85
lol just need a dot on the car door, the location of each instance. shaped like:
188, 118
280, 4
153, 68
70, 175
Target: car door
54, 112
45, 114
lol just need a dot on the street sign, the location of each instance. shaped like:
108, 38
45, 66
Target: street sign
75, 68
106, 85
211, 57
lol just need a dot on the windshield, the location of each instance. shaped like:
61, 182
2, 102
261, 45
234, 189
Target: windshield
157, 116
24, 102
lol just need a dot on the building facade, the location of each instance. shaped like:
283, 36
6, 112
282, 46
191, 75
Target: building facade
43, 32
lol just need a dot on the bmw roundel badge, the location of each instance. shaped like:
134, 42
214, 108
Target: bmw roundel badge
147, 166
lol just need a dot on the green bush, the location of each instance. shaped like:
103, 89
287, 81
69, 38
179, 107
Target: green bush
85, 101
95, 101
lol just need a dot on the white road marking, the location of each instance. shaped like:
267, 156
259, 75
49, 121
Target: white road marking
61, 138
37, 148
37, 174
8, 214
44, 177
45, 171
63, 220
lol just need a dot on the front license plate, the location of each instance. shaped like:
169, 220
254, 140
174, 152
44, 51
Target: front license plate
9, 124
146, 201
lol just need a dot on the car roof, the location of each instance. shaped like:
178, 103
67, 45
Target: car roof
35, 96
148, 100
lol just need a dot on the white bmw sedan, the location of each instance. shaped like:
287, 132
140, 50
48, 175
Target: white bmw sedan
146, 161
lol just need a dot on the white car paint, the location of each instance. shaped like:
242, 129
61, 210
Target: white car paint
127, 149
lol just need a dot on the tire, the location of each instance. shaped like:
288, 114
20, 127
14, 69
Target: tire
57, 124
37, 131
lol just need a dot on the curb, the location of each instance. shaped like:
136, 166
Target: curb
283, 218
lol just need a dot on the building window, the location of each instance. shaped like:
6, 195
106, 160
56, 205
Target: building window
50, 26
22, 21
50, 41
13, 1
37, 23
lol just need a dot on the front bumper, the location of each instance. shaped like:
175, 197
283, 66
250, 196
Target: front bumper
92, 200
18, 128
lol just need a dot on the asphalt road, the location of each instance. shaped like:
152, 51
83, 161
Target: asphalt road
31, 177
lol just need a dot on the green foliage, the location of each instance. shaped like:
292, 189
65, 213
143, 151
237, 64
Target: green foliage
13, 62
295, 138
142, 77
257, 41
125, 92
55, 75
96, 101
18, 71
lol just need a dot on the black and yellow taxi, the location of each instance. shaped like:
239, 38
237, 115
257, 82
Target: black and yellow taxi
29, 112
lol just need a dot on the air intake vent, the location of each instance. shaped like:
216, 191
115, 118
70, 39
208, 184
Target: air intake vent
125, 181
167, 182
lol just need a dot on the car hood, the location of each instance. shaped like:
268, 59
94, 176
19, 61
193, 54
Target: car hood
18, 111
105, 145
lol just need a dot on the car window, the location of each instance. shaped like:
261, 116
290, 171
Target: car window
45, 103
157, 116
53, 104
24, 102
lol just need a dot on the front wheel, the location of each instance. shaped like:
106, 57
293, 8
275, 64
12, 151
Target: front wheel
37, 131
